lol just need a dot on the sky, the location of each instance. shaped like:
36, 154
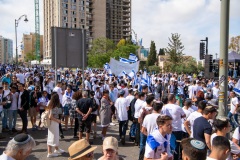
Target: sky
153, 20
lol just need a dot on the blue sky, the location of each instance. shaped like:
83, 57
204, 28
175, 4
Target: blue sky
151, 20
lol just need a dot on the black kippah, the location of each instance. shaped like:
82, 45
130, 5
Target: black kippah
21, 138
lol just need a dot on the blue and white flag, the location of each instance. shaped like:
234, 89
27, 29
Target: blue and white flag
124, 60
106, 66
133, 57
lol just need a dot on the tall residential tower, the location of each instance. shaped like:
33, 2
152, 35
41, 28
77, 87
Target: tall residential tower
100, 18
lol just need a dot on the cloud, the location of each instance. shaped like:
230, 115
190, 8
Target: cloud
156, 20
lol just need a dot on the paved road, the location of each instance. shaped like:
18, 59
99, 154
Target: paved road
129, 151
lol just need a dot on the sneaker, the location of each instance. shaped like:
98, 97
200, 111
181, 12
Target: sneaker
59, 151
123, 140
52, 155
61, 136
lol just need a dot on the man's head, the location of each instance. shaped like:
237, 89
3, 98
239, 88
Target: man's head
149, 99
164, 123
110, 148
193, 149
232, 94
157, 106
141, 95
171, 98
145, 89
121, 93
21, 87
210, 112
20, 146
220, 147
202, 105
222, 125
5, 85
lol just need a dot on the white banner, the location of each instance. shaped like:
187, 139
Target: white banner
117, 67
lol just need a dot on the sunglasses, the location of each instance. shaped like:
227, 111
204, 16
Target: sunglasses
89, 155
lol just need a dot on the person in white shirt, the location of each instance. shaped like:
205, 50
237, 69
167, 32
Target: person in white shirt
122, 115
59, 91
220, 148
177, 113
158, 142
222, 127
8, 97
138, 105
13, 110
188, 124
215, 91
234, 104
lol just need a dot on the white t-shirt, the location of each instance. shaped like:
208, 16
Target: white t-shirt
215, 92
234, 148
190, 91
59, 92
156, 154
176, 112
233, 102
129, 99
21, 77
150, 123
191, 119
138, 105
14, 105
236, 134
121, 107
19, 100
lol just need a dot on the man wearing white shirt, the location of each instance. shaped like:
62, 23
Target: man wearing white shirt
215, 91
233, 110
59, 91
177, 113
122, 115
138, 105
1, 109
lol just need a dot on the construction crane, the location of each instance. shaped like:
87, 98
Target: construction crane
37, 30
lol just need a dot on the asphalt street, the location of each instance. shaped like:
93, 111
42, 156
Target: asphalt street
128, 151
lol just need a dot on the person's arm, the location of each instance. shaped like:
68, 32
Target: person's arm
186, 125
235, 141
144, 131
207, 140
51, 117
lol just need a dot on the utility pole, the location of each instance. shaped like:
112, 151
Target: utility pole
223, 59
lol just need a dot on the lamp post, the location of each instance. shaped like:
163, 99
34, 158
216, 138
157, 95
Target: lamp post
16, 25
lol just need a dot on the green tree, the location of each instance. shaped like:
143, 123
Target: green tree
161, 52
175, 49
101, 46
152, 56
30, 56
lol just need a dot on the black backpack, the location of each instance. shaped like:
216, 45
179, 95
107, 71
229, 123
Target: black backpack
185, 89
94, 105
159, 88
132, 103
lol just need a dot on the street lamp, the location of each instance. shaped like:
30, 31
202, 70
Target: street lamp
16, 25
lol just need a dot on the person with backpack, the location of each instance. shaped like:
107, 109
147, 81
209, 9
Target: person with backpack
145, 110
42, 104
122, 115
132, 132
53, 128
158, 89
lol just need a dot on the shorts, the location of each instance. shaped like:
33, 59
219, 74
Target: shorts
94, 118
66, 111
85, 126
32, 112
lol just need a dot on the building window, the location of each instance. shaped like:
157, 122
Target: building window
65, 18
82, 20
73, 1
66, 1
81, 8
73, 7
75, 25
73, 12
65, 6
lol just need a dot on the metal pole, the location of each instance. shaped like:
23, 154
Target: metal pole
55, 49
83, 61
16, 43
206, 45
223, 59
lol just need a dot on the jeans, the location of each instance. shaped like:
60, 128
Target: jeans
143, 139
23, 115
5, 118
178, 150
122, 128
132, 132
12, 115
233, 123
137, 140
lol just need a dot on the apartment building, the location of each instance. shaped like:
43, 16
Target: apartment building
6, 50
100, 18
28, 45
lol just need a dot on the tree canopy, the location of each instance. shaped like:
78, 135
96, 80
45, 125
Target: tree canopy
152, 56
234, 44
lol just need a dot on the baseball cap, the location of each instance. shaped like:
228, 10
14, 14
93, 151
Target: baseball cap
121, 92
110, 143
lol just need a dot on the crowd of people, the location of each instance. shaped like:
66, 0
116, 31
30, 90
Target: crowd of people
172, 117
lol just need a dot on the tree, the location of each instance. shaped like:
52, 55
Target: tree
152, 56
101, 46
161, 52
234, 44
122, 42
30, 56
175, 49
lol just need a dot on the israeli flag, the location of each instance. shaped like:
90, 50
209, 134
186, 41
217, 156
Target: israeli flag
133, 57
106, 66
124, 60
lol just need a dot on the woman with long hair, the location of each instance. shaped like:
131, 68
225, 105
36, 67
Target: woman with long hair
53, 130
